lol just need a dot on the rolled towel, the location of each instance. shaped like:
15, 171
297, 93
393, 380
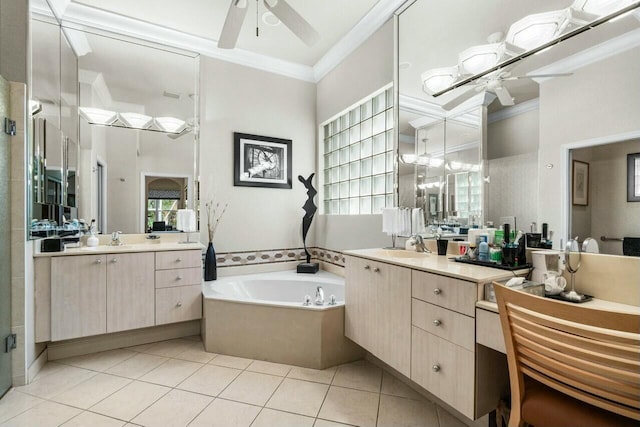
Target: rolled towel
390, 220
417, 221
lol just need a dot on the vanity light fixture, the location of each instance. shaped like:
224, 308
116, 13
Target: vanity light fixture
600, 7
422, 160
409, 159
477, 59
438, 79
537, 29
98, 116
169, 124
135, 120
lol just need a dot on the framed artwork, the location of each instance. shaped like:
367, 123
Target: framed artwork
633, 177
261, 161
433, 204
580, 183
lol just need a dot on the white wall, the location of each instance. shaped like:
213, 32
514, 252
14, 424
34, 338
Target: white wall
241, 99
513, 136
597, 101
366, 70
14, 35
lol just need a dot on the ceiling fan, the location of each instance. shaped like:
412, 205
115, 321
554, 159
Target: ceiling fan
280, 8
494, 84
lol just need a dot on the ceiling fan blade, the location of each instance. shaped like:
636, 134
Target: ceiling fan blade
537, 76
470, 92
293, 20
504, 96
233, 24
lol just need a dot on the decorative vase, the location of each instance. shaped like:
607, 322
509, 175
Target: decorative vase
210, 267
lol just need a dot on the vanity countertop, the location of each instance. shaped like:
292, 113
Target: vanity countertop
436, 264
596, 303
150, 246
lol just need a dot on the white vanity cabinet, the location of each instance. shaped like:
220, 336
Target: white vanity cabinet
79, 295
378, 310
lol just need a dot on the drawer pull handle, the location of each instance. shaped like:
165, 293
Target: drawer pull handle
437, 322
114, 260
179, 259
377, 270
98, 261
179, 304
437, 291
436, 368
179, 278
366, 267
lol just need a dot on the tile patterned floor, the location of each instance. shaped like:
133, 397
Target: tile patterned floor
176, 383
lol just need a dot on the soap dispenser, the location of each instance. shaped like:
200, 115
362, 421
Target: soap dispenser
92, 241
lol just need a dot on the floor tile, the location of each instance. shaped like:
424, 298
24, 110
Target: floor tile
99, 361
326, 423
176, 408
324, 376
171, 373
48, 369
195, 353
393, 386
225, 413
231, 361
59, 381
271, 418
14, 403
350, 406
129, 401
140, 348
448, 420
196, 338
169, 348
44, 415
300, 397
137, 366
252, 387
89, 392
360, 375
210, 380
401, 412
89, 419
269, 368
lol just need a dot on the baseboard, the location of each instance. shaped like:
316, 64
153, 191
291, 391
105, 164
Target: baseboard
37, 365
88, 345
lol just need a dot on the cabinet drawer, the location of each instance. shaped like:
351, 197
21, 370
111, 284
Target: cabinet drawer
178, 259
447, 292
178, 304
454, 327
178, 277
444, 369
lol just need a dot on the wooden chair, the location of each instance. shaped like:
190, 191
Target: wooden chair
569, 365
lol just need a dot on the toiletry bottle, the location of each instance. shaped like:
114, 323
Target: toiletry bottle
92, 241
483, 251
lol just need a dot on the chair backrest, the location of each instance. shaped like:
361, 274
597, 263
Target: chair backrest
589, 354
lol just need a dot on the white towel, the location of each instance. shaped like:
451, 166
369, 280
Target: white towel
390, 219
417, 221
406, 222
186, 220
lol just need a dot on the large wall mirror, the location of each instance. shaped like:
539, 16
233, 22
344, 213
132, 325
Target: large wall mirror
136, 134
518, 116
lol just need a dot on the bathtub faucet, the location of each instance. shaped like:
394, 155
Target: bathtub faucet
319, 296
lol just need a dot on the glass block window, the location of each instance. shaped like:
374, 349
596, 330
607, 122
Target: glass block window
357, 159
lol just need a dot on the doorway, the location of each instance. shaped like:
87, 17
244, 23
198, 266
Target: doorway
5, 244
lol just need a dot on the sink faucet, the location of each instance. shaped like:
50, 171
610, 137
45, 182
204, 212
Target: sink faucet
319, 296
115, 238
419, 244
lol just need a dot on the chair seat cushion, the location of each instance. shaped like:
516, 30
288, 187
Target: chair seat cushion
545, 407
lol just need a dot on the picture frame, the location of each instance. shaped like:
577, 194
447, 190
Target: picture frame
580, 183
433, 204
261, 161
633, 177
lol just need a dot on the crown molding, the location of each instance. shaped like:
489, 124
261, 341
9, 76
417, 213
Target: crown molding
508, 112
380, 13
591, 55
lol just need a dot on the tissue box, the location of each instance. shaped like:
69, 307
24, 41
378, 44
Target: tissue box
528, 286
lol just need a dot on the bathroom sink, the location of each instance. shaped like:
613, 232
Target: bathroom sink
401, 254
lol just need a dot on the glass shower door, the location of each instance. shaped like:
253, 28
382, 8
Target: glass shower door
5, 243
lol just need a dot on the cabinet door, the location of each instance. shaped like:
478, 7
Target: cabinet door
360, 298
393, 316
130, 291
78, 296
178, 304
